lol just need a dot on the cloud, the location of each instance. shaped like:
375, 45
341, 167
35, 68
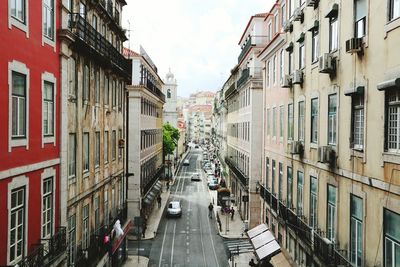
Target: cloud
197, 39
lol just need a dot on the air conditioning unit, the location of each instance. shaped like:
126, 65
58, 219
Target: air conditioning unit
312, 2
298, 14
326, 63
297, 77
286, 81
287, 26
326, 154
354, 45
297, 148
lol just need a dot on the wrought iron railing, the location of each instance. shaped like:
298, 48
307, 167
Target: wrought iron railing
243, 78
230, 90
283, 210
323, 248
55, 245
341, 258
274, 202
98, 44
239, 174
245, 49
304, 231
110, 7
153, 88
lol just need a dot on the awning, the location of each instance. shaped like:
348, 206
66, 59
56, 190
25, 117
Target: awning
354, 90
333, 12
263, 242
389, 84
289, 47
301, 37
314, 26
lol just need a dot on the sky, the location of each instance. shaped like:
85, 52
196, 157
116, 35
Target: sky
197, 39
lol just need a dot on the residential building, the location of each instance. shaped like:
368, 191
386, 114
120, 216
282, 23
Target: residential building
219, 130
93, 77
145, 137
340, 194
30, 135
244, 123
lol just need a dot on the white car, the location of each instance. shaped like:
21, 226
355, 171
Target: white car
186, 162
174, 209
209, 172
195, 177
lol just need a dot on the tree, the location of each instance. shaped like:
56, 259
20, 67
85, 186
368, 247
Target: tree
170, 138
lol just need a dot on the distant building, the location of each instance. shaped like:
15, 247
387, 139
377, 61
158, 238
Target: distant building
170, 112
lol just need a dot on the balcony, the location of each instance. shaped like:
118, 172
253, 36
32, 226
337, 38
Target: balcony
230, 90
245, 49
283, 211
96, 46
323, 248
304, 231
274, 202
243, 78
111, 15
46, 252
265, 194
239, 174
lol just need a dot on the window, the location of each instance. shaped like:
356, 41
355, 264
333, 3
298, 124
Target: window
302, 56
17, 8
332, 117
19, 103
85, 148
291, 7
360, 16
268, 78
331, 214
169, 93
314, 45
274, 122
120, 96
394, 9
86, 82
333, 34
71, 155
72, 76
106, 90
314, 120
357, 102
85, 227
280, 192
289, 187
281, 116
47, 208
267, 172
82, 10
282, 64
96, 213
270, 31
97, 86
283, 13
274, 70
313, 202
300, 183
106, 147
48, 19
48, 109
273, 178
276, 21
106, 215
71, 239
391, 223
290, 66
301, 121
97, 150
17, 225
290, 122
120, 138
114, 145
356, 230
94, 22
393, 120
114, 93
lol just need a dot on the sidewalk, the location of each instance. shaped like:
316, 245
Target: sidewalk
133, 261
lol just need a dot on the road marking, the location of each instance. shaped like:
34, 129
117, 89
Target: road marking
162, 245
173, 242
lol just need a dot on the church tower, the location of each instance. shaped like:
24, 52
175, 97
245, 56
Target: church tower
170, 107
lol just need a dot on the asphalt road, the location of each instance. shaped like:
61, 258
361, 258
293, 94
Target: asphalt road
191, 240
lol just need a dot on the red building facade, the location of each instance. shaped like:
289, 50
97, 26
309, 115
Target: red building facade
29, 134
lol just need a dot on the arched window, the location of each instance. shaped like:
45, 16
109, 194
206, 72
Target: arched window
169, 93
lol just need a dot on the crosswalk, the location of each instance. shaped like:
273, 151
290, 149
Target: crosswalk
238, 246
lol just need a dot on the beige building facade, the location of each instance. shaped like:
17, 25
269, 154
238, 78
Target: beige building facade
333, 195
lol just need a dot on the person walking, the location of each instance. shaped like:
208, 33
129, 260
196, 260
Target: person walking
167, 185
210, 210
159, 201
232, 213
252, 263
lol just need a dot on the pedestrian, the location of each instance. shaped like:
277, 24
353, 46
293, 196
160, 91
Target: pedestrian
252, 263
210, 210
159, 201
232, 213
144, 229
167, 185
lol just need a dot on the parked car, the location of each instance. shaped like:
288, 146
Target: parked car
186, 162
195, 177
196, 146
211, 178
209, 171
213, 185
174, 209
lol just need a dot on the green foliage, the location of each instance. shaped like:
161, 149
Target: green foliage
170, 138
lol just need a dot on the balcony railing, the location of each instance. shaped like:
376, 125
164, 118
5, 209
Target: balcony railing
230, 90
239, 174
243, 78
153, 88
116, 16
265, 194
274, 202
283, 210
323, 248
341, 258
96, 44
304, 231
245, 49
110, 7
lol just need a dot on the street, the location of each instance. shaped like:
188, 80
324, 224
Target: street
191, 240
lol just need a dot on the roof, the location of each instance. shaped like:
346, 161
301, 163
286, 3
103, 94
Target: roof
259, 15
130, 53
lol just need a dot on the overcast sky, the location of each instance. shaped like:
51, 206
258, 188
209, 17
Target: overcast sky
197, 39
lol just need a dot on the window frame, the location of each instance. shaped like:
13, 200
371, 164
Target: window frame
393, 240
289, 176
391, 16
358, 260
48, 175
331, 214
85, 153
72, 156
333, 34
300, 193
357, 111
13, 21
314, 45
46, 38
49, 78
313, 202
314, 121
392, 102
332, 125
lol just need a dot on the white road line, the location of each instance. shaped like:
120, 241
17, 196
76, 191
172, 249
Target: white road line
202, 243
162, 245
173, 242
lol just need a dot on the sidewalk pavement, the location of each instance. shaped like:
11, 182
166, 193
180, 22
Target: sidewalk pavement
134, 261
